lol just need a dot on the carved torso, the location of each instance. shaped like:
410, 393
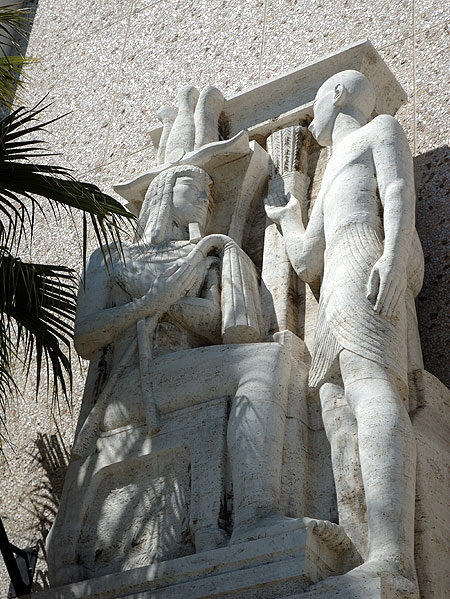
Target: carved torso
349, 189
131, 277
352, 215
141, 265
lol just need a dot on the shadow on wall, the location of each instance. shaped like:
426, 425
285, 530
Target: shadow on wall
51, 456
433, 224
31, 6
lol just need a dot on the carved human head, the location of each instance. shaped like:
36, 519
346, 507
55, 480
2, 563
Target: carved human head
180, 195
347, 92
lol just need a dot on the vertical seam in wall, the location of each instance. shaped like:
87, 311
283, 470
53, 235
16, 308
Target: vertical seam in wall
414, 77
263, 41
113, 107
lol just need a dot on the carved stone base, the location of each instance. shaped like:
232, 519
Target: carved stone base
372, 588
268, 568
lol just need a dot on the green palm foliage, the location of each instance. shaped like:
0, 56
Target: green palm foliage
37, 302
14, 21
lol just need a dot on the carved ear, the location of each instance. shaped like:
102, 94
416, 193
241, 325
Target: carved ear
340, 93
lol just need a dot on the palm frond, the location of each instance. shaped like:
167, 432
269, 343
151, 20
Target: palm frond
14, 21
21, 181
37, 311
37, 302
13, 17
37, 305
11, 67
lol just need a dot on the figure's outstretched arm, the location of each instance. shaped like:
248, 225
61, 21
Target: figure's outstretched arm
305, 248
97, 323
395, 177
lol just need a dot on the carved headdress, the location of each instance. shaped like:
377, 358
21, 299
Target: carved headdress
190, 139
157, 207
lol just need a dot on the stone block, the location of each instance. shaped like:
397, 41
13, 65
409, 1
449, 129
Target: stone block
59, 24
432, 81
431, 421
287, 98
372, 588
82, 86
268, 568
198, 47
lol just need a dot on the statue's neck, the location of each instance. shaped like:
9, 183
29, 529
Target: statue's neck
174, 232
346, 123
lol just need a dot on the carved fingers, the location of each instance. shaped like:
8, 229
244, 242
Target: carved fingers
373, 284
175, 283
393, 295
182, 277
386, 286
279, 206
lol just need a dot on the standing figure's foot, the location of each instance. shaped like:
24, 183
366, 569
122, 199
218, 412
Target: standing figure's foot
359, 577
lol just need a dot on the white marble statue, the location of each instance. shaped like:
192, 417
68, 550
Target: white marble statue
361, 241
265, 303
167, 325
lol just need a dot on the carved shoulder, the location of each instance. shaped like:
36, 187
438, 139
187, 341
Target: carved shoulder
385, 128
100, 259
392, 157
94, 285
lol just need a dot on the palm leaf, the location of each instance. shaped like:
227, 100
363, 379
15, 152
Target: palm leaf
37, 303
21, 181
11, 68
37, 310
14, 22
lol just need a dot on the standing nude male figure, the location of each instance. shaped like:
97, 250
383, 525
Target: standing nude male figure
361, 240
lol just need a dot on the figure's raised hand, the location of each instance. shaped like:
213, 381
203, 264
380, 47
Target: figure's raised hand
280, 207
386, 286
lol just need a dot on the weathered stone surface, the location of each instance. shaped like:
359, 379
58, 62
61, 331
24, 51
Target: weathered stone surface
267, 568
291, 52
361, 243
166, 387
288, 97
157, 322
430, 415
346, 588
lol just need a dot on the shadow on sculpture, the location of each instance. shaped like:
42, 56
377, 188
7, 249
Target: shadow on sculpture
180, 406
433, 219
200, 434
361, 242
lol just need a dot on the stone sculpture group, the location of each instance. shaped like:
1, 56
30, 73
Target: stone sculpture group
194, 418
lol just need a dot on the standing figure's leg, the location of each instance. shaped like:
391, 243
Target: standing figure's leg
388, 461
341, 430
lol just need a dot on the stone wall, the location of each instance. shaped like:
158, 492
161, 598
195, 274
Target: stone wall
111, 65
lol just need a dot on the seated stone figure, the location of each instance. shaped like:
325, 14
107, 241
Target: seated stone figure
153, 321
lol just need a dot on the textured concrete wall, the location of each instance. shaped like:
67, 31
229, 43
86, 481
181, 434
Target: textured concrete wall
112, 64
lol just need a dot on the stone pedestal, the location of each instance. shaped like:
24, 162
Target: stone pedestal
372, 588
268, 568
430, 415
